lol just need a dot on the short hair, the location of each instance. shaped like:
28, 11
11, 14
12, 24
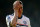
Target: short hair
19, 2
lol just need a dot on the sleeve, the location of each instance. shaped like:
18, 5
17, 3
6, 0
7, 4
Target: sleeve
8, 21
29, 23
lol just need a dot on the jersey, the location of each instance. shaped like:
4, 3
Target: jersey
22, 22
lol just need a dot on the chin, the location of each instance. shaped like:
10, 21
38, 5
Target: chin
19, 15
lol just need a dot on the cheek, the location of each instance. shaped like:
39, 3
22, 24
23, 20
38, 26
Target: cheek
20, 12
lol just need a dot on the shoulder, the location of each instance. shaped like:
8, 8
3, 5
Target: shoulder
8, 16
25, 17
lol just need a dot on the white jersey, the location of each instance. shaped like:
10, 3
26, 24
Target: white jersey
23, 22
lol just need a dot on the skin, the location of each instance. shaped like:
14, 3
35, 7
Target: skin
18, 10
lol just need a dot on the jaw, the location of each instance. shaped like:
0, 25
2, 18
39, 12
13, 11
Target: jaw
19, 15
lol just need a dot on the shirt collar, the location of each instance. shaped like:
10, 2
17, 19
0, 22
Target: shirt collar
20, 17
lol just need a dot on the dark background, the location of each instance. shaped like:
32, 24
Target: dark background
31, 9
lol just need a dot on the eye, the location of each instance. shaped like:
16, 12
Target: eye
21, 7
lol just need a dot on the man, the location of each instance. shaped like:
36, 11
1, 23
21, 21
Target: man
17, 19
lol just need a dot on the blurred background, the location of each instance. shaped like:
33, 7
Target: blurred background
31, 9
